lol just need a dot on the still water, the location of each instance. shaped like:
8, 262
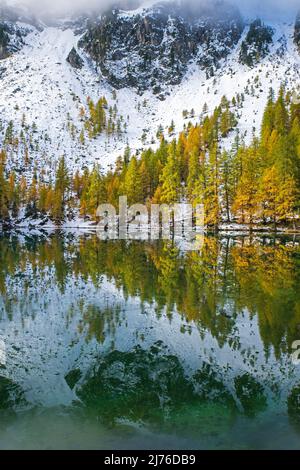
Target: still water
127, 345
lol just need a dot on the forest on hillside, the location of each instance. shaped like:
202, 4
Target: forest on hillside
258, 275
256, 184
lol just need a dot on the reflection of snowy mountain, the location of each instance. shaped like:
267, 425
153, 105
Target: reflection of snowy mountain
61, 334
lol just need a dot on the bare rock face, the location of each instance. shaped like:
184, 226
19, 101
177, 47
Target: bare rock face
4, 41
153, 48
75, 60
11, 33
11, 39
297, 32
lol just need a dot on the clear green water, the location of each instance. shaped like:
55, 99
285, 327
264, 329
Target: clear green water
127, 345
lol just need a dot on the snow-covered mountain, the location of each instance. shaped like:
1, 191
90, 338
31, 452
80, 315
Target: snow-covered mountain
152, 48
153, 64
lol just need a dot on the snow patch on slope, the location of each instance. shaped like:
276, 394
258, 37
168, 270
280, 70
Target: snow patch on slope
40, 83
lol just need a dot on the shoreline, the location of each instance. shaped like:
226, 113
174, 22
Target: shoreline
238, 230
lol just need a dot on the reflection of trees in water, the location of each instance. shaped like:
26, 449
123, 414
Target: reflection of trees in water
268, 278
101, 322
209, 288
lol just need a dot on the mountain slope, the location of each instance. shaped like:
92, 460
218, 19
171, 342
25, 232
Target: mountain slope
297, 32
43, 95
152, 48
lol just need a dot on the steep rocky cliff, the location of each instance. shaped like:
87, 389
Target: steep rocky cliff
297, 32
4, 41
12, 30
152, 48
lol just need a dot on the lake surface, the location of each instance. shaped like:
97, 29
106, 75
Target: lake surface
128, 345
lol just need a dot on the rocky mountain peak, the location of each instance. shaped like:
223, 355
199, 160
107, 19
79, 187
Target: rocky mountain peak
152, 48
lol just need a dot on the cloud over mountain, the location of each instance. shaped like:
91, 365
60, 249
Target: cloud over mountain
248, 7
